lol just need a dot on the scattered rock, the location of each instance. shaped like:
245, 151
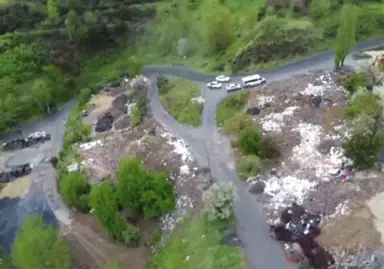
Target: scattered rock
122, 123
257, 187
104, 123
119, 102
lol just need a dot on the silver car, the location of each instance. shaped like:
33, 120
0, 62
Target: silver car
233, 87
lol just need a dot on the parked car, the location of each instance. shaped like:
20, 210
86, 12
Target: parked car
223, 78
233, 87
254, 80
214, 85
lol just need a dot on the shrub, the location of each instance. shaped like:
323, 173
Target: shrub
54, 161
363, 149
218, 201
141, 191
163, 84
73, 187
84, 96
156, 237
238, 123
136, 116
269, 148
131, 236
250, 165
354, 81
249, 141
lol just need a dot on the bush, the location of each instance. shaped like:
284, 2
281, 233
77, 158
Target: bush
74, 189
250, 165
54, 161
354, 81
249, 141
156, 237
136, 116
141, 191
238, 123
84, 96
163, 85
218, 202
363, 149
269, 147
131, 236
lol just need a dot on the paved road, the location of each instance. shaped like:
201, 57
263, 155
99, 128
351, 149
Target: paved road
212, 148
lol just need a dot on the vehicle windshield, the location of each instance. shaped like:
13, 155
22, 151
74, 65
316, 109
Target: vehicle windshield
251, 80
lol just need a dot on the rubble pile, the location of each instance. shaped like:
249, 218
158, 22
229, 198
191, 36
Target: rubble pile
15, 172
30, 140
298, 228
361, 259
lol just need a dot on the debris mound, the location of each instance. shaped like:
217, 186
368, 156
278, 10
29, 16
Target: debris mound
31, 140
15, 172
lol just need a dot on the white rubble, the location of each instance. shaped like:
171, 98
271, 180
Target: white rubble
264, 100
74, 167
92, 144
275, 121
179, 145
199, 100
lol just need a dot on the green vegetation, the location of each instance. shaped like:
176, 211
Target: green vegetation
176, 96
197, 245
38, 246
75, 190
354, 81
143, 192
346, 33
250, 165
229, 108
249, 141
218, 202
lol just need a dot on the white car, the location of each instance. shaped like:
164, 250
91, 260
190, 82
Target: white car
223, 78
233, 87
214, 85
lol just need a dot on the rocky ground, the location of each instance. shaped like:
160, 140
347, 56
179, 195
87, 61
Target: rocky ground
305, 113
159, 150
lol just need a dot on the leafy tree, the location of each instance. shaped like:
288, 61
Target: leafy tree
74, 188
103, 200
218, 201
53, 9
365, 110
72, 25
319, 9
42, 95
131, 236
346, 33
249, 141
218, 27
39, 246
141, 191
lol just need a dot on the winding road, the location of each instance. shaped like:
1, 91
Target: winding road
207, 144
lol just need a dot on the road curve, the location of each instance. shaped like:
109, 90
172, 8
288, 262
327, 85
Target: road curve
210, 147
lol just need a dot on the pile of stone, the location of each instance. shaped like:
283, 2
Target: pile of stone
298, 228
117, 109
31, 140
15, 172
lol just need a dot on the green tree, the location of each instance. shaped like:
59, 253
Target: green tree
366, 112
42, 94
249, 141
346, 33
319, 9
53, 9
72, 25
74, 188
141, 191
38, 246
103, 200
218, 27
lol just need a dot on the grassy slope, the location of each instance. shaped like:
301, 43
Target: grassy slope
200, 242
230, 106
177, 101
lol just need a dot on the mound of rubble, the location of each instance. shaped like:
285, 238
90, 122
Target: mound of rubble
15, 172
31, 140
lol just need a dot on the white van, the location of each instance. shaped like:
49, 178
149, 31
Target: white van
251, 81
